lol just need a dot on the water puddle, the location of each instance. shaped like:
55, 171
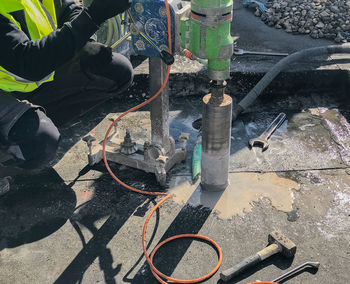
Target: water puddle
238, 199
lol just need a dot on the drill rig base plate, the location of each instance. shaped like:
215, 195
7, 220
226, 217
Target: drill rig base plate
148, 158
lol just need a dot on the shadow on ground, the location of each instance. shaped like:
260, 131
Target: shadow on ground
114, 203
36, 207
189, 220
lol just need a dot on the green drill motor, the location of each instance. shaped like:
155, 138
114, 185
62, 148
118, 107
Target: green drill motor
206, 34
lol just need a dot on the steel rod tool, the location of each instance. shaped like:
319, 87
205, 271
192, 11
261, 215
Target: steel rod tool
290, 273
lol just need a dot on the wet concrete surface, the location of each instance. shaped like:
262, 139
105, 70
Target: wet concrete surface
244, 189
74, 224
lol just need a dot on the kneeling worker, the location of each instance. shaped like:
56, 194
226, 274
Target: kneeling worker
49, 67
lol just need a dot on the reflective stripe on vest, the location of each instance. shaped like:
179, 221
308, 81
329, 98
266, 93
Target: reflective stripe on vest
41, 20
22, 80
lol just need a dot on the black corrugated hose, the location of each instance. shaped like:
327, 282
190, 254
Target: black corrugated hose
280, 66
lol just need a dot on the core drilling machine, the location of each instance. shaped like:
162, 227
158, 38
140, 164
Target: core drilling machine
201, 28
206, 35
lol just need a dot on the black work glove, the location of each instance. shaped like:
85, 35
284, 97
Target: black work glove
94, 57
101, 10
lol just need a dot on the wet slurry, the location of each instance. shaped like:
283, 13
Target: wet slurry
243, 191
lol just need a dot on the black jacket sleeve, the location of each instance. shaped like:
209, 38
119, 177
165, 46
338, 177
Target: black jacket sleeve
67, 10
34, 60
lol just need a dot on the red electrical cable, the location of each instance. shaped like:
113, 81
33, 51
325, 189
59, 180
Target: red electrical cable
157, 274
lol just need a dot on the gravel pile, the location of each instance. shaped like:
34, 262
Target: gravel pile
328, 19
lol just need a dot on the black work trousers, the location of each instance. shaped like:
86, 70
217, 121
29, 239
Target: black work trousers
74, 91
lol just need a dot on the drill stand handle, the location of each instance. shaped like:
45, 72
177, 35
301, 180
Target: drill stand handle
167, 58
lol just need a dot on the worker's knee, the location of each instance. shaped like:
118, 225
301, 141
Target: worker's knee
37, 137
126, 72
114, 77
120, 71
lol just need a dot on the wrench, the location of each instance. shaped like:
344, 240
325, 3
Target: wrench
314, 265
239, 51
262, 139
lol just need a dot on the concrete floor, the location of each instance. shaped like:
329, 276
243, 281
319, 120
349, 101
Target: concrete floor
74, 224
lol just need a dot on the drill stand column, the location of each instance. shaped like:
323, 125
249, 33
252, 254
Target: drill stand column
157, 156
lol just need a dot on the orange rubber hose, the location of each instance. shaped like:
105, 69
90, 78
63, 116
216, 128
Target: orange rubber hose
157, 274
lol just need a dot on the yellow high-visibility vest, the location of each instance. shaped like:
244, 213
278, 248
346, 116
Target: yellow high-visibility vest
40, 16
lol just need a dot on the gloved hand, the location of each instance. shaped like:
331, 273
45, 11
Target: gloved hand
101, 10
94, 57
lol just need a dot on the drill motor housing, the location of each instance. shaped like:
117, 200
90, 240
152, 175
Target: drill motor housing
206, 34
